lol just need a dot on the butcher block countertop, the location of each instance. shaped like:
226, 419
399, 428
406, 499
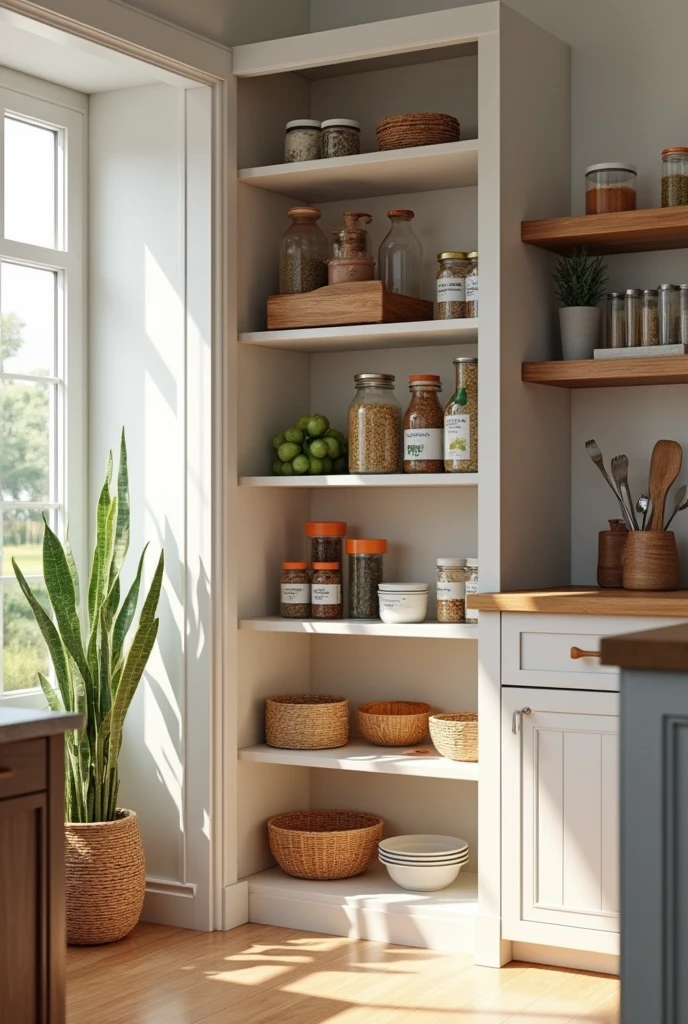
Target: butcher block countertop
656, 649
586, 601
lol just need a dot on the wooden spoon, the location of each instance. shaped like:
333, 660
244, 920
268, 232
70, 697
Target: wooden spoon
665, 466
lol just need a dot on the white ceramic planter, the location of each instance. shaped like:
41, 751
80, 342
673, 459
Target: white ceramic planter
580, 331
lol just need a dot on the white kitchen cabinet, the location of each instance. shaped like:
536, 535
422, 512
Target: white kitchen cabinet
560, 818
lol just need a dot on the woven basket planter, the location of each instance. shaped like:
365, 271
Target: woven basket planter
306, 721
324, 845
394, 723
404, 130
105, 879
456, 735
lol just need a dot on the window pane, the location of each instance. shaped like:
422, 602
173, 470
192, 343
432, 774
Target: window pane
27, 319
25, 440
22, 537
30, 153
24, 652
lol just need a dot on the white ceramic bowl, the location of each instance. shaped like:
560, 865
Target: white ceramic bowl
388, 858
423, 845
402, 603
423, 879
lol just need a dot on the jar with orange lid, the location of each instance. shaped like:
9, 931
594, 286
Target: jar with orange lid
326, 591
365, 576
424, 426
675, 176
295, 591
326, 541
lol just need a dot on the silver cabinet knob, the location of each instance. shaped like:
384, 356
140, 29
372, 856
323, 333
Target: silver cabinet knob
516, 719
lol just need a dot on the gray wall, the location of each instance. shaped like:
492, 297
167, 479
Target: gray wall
233, 21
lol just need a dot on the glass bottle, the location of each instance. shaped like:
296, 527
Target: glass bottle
617, 334
650, 335
669, 333
633, 308
401, 256
303, 253
424, 426
365, 576
472, 285
675, 176
461, 419
374, 425
608, 322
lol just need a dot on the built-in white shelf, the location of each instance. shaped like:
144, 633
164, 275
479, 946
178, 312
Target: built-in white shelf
369, 906
367, 336
416, 169
360, 756
365, 480
363, 627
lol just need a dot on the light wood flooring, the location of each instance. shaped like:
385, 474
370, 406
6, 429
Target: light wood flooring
260, 975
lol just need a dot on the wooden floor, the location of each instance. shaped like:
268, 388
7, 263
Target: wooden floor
259, 975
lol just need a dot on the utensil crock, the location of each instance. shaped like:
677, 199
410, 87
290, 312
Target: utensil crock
651, 561
610, 553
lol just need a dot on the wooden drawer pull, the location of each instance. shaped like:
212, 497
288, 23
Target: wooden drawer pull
6, 773
576, 653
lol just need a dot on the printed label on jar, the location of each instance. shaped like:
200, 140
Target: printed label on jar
326, 593
451, 289
451, 591
296, 593
457, 437
471, 613
423, 444
472, 288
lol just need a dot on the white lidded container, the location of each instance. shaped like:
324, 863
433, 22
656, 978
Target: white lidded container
303, 141
402, 603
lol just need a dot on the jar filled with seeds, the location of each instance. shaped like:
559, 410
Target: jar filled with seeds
454, 268
669, 327
610, 188
451, 589
651, 317
374, 425
326, 591
471, 587
326, 541
683, 313
295, 591
617, 321
365, 576
341, 137
303, 141
472, 285
675, 176
633, 303
461, 419
303, 253
424, 426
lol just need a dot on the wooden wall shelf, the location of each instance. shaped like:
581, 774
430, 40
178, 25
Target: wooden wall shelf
608, 373
607, 233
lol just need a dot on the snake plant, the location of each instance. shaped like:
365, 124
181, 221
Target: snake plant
96, 670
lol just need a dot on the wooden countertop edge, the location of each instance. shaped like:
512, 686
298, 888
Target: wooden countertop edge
654, 649
585, 601
23, 724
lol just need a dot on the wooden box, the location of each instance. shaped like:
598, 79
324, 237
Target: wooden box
339, 305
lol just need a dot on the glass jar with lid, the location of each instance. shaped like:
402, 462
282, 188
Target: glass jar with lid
401, 256
675, 176
365, 576
610, 187
454, 268
326, 541
650, 335
374, 425
471, 587
683, 313
461, 419
295, 591
633, 302
472, 285
326, 591
303, 141
424, 426
669, 303
617, 321
303, 253
451, 589
341, 137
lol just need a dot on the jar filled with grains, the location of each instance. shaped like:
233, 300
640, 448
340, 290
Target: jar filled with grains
326, 591
633, 305
471, 587
365, 576
451, 589
650, 334
669, 328
295, 591
461, 419
472, 285
374, 425
424, 426
617, 325
303, 253
675, 176
326, 541
303, 141
454, 268
610, 188
341, 137
683, 313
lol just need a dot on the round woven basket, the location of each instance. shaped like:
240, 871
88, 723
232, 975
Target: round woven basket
306, 721
456, 735
105, 879
394, 723
324, 845
404, 130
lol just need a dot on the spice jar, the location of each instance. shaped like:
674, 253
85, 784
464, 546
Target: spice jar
451, 589
303, 253
341, 137
365, 576
424, 426
650, 335
451, 285
610, 188
326, 541
461, 419
472, 285
303, 141
471, 587
374, 425
633, 309
669, 328
683, 313
326, 591
675, 176
401, 256
295, 591
617, 330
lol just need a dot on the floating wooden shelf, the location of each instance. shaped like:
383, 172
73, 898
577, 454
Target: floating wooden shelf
608, 373
360, 756
367, 336
607, 233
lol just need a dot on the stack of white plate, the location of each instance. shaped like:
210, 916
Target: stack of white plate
423, 863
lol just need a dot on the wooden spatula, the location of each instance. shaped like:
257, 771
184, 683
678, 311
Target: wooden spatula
664, 468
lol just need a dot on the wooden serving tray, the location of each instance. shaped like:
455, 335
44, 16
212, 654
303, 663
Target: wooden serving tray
339, 305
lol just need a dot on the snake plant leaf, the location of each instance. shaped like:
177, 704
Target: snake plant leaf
151, 602
96, 585
52, 639
51, 694
126, 614
58, 583
104, 666
122, 531
72, 565
136, 661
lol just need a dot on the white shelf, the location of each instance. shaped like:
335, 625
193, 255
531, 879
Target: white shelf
370, 906
360, 756
367, 336
362, 627
417, 169
365, 480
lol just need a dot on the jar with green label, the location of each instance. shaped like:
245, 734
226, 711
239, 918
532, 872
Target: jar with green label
461, 419
424, 426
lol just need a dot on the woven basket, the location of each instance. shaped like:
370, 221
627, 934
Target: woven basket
404, 130
324, 845
105, 879
456, 735
394, 723
306, 721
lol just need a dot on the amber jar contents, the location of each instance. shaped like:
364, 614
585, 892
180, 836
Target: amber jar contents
295, 591
424, 426
326, 591
610, 188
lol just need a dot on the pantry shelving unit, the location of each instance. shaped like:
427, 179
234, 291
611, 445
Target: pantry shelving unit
486, 65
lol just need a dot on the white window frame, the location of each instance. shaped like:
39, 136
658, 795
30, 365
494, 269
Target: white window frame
33, 99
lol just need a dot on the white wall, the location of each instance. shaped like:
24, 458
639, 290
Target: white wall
233, 21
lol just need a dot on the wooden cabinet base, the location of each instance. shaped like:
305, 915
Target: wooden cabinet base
339, 305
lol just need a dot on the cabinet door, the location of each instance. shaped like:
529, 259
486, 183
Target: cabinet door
560, 828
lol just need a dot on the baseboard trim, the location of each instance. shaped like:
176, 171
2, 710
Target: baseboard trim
575, 959
491, 950
234, 905
169, 902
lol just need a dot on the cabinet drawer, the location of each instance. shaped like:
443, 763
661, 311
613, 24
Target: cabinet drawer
22, 768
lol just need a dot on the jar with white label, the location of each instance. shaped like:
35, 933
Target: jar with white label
461, 419
472, 285
454, 269
326, 591
295, 591
451, 589
471, 587
424, 426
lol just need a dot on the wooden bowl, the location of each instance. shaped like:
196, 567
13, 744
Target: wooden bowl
651, 561
394, 723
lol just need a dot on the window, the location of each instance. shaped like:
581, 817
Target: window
41, 365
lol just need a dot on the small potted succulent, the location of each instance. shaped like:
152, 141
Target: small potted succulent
580, 282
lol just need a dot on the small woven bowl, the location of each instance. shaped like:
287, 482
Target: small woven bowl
406, 130
324, 845
306, 721
394, 723
456, 735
